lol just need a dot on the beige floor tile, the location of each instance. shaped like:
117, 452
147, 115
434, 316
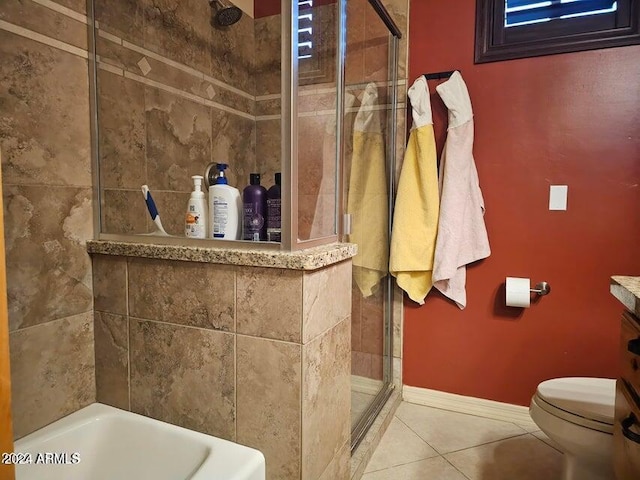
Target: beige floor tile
398, 446
436, 468
522, 458
542, 436
529, 427
450, 431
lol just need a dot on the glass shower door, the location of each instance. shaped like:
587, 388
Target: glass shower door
369, 133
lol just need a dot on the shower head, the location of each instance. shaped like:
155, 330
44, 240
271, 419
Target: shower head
227, 14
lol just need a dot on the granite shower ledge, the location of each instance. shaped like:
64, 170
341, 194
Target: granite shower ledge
627, 290
307, 259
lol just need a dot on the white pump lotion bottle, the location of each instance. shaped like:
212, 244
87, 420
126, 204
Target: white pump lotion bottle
225, 207
195, 224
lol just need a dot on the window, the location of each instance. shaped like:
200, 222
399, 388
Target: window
317, 41
305, 29
508, 29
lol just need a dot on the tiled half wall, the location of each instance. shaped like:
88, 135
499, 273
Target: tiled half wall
259, 356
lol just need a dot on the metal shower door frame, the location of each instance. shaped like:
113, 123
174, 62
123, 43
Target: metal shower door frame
360, 429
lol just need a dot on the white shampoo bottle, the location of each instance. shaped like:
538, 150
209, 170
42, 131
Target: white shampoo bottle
225, 207
195, 224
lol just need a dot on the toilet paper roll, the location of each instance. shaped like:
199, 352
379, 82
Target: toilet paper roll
518, 292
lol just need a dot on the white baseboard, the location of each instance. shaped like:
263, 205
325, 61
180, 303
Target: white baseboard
365, 385
473, 406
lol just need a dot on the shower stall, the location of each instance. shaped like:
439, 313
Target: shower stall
305, 88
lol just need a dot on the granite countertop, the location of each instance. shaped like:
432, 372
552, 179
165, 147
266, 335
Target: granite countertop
307, 259
627, 290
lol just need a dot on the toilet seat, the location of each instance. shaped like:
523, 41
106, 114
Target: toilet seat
588, 402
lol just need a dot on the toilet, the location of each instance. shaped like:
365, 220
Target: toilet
577, 413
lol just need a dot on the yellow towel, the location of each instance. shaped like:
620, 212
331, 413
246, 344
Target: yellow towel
415, 220
367, 201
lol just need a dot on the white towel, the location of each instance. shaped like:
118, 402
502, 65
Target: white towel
462, 235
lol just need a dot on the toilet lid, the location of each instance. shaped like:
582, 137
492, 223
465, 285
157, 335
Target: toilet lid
590, 398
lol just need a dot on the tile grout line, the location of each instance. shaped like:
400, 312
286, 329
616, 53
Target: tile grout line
401, 464
522, 427
486, 443
126, 296
40, 185
235, 352
419, 436
457, 469
547, 444
406, 463
164, 322
50, 321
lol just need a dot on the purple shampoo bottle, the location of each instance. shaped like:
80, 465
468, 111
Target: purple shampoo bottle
254, 201
274, 223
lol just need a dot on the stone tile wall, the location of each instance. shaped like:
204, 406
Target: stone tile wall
259, 356
233, 103
175, 93
47, 189
225, 110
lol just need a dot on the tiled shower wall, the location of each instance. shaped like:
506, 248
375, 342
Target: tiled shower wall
175, 94
160, 119
261, 358
47, 183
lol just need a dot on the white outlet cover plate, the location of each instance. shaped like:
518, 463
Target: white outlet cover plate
558, 197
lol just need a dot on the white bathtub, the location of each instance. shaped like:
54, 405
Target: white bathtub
112, 444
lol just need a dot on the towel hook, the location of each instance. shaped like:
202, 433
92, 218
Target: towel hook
438, 75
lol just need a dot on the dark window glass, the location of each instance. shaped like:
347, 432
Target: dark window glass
305, 29
529, 12
508, 29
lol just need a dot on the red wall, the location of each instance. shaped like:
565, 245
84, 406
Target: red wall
569, 119
265, 8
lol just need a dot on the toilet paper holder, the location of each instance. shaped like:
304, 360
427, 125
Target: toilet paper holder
542, 289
